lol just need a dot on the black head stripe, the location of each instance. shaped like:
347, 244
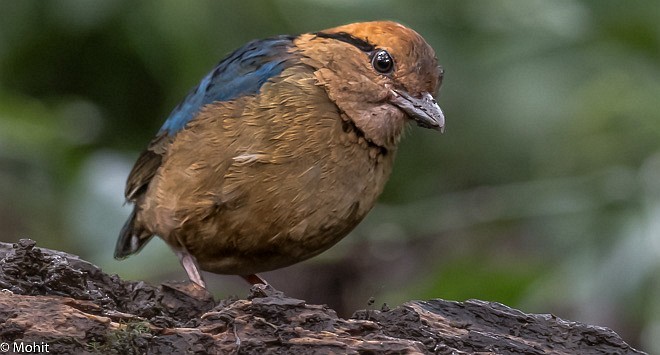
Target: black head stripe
345, 37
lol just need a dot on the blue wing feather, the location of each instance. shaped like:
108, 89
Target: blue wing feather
242, 73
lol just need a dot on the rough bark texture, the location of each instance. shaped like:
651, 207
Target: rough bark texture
50, 297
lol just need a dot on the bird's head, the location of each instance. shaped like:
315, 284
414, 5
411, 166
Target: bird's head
380, 74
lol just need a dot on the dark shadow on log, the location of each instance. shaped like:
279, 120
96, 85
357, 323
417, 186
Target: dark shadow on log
50, 297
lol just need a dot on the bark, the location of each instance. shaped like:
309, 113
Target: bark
50, 298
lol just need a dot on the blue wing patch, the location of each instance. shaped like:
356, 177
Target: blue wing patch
242, 73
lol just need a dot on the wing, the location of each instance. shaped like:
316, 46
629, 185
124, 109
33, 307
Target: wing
241, 73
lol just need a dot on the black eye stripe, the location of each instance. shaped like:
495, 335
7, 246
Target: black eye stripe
381, 60
350, 39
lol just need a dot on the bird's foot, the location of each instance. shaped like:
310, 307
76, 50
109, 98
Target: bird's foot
182, 294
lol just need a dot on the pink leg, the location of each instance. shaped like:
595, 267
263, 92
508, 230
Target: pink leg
254, 279
190, 265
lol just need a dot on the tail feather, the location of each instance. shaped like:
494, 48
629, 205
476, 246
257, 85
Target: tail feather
132, 238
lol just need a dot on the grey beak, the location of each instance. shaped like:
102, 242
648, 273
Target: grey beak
424, 110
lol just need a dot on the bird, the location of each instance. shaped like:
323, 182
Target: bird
281, 149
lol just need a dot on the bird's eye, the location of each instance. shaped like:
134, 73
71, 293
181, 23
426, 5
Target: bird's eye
382, 62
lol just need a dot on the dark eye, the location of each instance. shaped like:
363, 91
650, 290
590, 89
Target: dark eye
382, 62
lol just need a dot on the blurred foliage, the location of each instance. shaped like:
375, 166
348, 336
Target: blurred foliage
544, 192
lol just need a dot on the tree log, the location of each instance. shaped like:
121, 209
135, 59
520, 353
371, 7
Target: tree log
58, 303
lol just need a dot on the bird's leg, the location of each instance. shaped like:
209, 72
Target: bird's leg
190, 264
254, 279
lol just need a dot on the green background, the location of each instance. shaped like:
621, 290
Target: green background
543, 193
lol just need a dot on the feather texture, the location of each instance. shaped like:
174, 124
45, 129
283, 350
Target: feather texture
243, 72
